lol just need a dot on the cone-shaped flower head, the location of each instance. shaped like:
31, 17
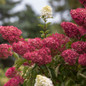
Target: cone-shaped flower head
46, 12
43, 81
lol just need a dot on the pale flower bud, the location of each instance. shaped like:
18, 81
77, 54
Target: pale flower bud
43, 81
46, 12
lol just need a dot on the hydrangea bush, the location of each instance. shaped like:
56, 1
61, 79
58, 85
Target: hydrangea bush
52, 60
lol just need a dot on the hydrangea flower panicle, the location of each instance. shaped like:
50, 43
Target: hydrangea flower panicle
79, 47
35, 43
82, 30
20, 47
71, 29
11, 72
46, 12
15, 81
79, 16
70, 56
82, 59
62, 40
43, 81
10, 33
41, 56
5, 51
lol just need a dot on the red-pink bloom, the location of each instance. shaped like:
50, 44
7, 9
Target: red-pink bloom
11, 72
41, 56
20, 47
83, 2
79, 46
79, 15
36, 43
82, 30
70, 56
10, 33
71, 29
15, 81
5, 51
62, 40
82, 59
51, 43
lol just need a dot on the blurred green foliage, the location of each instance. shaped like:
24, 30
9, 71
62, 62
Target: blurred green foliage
2, 1
3, 78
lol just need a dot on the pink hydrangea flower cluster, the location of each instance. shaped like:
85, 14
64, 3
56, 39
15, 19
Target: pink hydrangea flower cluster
70, 56
79, 16
79, 47
41, 56
15, 81
71, 29
82, 59
83, 2
56, 43
11, 72
60, 38
40, 51
10, 33
36, 43
5, 51
82, 30
78, 51
50, 43
20, 47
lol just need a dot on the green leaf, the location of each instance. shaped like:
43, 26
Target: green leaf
83, 38
19, 62
53, 73
29, 83
42, 32
25, 70
30, 76
48, 35
24, 84
42, 35
47, 31
16, 55
82, 75
70, 82
40, 25
57, 70
68, 45
48, 24
26, 39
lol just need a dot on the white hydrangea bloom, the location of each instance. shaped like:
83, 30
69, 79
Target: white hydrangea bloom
43, 81
46, 12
